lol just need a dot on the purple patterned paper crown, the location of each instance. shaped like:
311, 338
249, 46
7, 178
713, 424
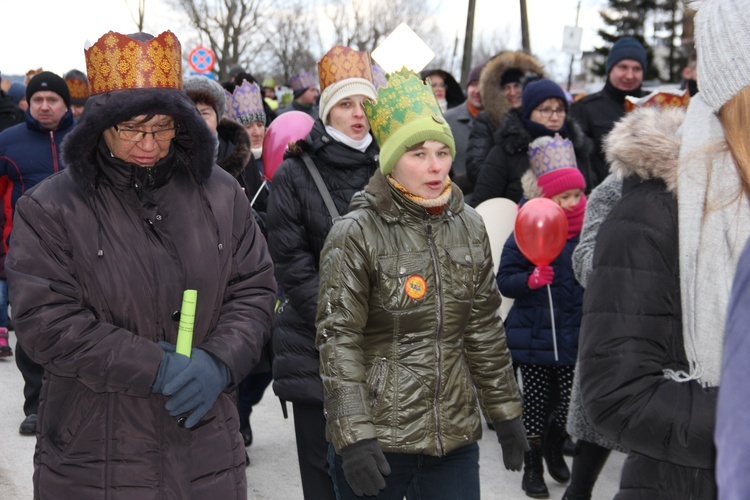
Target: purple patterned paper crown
378, 76
303, 81
245, 104
547, 154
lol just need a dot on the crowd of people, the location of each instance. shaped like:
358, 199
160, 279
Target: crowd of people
356, 278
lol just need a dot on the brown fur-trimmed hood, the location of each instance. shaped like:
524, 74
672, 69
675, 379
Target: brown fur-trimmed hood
238, 147
495, 103
646, 143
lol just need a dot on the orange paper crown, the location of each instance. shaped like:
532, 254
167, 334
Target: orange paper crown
78, 88
660, 98
118, 62
341, 63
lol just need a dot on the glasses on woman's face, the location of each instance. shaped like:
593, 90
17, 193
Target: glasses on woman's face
135, 135
548, 112
439, 86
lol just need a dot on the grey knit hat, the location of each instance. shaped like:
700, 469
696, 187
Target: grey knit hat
193, 85
722, 40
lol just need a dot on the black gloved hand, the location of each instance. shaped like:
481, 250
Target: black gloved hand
364, 467
171, 364
512, 437
197, 387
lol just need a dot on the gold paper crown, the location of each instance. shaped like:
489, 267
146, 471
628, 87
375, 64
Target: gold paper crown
78, 88
405, 99
666, 98
118, 62
341, 63
552, 154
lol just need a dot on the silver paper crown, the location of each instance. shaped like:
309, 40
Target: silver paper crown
547, 154
245, 104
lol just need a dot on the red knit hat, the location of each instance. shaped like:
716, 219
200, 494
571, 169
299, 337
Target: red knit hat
553, 161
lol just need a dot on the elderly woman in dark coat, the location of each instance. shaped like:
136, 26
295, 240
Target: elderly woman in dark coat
100, 256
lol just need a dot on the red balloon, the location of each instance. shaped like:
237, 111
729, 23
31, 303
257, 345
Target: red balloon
288, 127
541, 230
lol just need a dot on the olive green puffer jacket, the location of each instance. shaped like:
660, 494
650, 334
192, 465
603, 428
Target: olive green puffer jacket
408, 328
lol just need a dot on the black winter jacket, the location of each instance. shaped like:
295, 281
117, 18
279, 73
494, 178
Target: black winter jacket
298, 223
496, 105
508, 160
632, 331
596, 114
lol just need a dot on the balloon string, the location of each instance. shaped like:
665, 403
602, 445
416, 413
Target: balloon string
552, 316
259, 190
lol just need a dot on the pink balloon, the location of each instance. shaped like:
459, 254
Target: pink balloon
541, 230
288, 127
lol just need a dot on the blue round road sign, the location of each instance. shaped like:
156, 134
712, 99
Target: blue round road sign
202, 59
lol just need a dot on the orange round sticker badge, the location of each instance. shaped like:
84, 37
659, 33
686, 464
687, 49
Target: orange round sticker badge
415, 287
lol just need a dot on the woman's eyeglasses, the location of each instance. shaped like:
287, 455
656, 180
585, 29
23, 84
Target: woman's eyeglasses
548, 112
135, 135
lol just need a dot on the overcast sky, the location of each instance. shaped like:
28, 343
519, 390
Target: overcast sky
51, 33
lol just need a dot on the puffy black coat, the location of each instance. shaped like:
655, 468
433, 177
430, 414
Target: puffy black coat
632, 324
298, 223
508, 160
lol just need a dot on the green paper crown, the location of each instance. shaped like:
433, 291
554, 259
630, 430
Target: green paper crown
404, 99
406, 114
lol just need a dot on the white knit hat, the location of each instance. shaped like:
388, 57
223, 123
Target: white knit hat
722, 40
344, 72
342, 89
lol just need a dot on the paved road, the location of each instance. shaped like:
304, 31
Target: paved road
273, 473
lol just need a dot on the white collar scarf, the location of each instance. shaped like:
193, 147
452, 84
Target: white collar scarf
360, 145
714, 224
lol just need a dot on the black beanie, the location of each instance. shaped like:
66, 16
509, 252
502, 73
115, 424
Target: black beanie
46, 80
511, 75
626, 47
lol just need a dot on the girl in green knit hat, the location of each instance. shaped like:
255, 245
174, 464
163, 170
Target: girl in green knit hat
408, 327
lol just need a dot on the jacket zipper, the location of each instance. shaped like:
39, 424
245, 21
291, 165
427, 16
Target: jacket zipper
55, 163
438, 348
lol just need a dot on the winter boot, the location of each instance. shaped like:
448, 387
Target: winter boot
533, 470
587, 465
553, 453
5, 349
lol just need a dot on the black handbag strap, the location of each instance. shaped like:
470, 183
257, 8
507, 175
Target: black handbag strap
321, 186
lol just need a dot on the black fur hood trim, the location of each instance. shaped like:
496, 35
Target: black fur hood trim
103, 111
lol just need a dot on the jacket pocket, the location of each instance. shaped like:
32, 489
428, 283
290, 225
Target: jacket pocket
376, 383
461, 264
69, 408
402, 281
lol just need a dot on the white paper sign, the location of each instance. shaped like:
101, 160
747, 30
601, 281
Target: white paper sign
572, 40
402, 48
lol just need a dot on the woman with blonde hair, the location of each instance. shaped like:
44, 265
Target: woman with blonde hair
656, 300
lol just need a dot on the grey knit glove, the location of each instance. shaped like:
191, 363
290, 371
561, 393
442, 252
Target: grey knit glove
512, 437
364, 467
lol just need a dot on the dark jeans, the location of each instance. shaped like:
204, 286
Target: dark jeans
310, 431
420, 477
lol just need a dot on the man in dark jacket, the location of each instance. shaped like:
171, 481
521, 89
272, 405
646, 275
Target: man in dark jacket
597, 113
306, 93
29, 153
461, 118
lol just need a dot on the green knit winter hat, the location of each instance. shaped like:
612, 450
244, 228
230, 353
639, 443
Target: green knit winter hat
406, 113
